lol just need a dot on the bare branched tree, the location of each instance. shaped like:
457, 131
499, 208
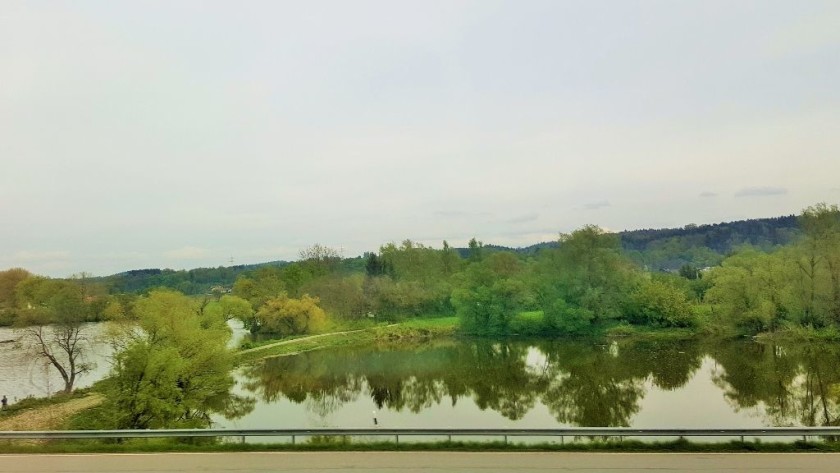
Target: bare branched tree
63, 347
52, 322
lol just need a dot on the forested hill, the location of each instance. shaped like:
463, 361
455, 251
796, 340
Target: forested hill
697, 245
705, 245
658, 250
720, 237
193, 281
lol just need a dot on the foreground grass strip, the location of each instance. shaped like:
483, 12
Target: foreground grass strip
203, 445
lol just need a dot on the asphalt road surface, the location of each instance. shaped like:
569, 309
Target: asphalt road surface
420, 462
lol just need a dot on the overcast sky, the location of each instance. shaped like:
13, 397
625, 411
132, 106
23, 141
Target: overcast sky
188, 133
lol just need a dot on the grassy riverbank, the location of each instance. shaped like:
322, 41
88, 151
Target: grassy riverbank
50, 413
415, 330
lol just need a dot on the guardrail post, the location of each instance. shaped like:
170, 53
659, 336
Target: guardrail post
505, 439
449, 438
293, 439
562, 440
742, 439
397, 437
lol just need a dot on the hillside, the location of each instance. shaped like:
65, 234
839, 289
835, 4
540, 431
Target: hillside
657, 249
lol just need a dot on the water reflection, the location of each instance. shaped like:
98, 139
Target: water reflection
575, 383
794, 384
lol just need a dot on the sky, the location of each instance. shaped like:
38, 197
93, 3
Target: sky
182, 134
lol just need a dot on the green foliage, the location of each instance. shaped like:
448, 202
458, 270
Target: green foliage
172, 370
560, 317
797, 285
476, 250
661, 304
818, 260
751, 290
262, 285
341, 296
51, 314
9, 281
586, 280
489, 294
704, 246
231, 307
286, 316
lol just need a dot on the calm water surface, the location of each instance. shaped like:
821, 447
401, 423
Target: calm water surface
515, 384
23, 374
545, 384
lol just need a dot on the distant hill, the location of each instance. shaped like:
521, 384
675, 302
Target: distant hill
656, 249
193, 281
668, 249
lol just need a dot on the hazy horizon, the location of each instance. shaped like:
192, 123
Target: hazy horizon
181, 135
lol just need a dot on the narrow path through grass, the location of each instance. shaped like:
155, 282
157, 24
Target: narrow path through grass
51, 416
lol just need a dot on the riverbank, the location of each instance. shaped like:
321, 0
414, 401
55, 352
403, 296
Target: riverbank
411, 330
48, 413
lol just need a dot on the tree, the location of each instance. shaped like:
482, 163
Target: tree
52, 322
262, 285
490, 294
752, 290
819, 260
340, 296
171, 369
658, 303
320, 260
231, 307
585, 280
286, 316
9, 280
449, 259
476, 250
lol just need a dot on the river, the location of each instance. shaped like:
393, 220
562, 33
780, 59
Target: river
506, 384
545, 384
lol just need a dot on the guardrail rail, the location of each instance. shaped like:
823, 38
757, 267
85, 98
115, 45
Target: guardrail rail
293, 434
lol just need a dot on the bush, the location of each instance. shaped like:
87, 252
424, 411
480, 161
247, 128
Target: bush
660, 304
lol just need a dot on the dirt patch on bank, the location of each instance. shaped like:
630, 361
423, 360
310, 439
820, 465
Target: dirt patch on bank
50, 417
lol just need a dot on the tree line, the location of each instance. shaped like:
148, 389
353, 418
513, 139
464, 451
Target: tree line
172, 347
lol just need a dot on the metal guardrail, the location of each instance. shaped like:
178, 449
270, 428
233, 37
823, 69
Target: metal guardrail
619, 432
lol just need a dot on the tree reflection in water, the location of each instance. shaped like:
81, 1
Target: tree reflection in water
580, 383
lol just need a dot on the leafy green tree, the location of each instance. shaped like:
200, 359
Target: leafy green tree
490, 294
476, 250
341, 296
819, 262
585, 280
450, 260
286, 316
262, 285
9, 280
661, 304
231, 307
319, 260
172, 369
751, 290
